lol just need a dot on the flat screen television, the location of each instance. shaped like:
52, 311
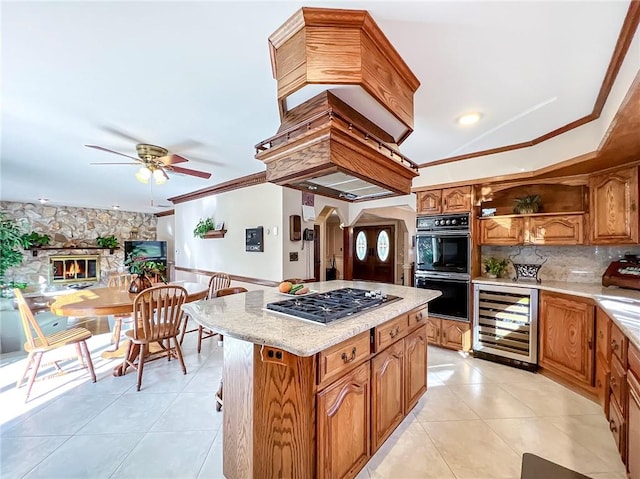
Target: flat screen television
148, 249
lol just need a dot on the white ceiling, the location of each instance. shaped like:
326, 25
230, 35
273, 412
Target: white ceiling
195, 78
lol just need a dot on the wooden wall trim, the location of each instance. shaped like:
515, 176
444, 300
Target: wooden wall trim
244, 279
165, 213
627, 31
235, 184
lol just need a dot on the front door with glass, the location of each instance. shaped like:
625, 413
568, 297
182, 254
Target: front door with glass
374, 253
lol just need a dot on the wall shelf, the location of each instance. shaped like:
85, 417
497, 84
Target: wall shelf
34, 251
215, 234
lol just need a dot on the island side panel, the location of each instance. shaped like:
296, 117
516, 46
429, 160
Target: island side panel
284, 415
237, 373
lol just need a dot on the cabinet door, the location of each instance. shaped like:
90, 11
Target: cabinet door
633, 427
387, 393
429, 202
602, 385
433, 330
566, 328
415, 367
556, 230
456, 200
616, 425
501, 231
343, 419
456, 335
603, 335
614, 207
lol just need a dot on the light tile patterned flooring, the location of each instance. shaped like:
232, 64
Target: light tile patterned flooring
475, 421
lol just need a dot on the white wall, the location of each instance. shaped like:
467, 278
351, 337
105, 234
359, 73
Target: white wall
259, 205
576, 142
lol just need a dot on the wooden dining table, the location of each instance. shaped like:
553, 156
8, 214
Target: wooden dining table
108, 301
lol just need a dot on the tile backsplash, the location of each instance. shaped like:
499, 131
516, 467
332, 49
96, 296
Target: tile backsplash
580, 264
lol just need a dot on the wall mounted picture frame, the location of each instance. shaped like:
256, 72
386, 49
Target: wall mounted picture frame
219, 225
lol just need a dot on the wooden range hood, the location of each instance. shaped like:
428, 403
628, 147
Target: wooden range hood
346, 101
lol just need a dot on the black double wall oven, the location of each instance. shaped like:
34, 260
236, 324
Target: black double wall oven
443, 252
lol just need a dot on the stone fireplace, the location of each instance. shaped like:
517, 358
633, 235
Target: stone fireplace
74, 269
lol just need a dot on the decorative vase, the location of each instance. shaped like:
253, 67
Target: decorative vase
139, 283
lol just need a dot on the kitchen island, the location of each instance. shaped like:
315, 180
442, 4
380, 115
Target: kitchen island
307, 400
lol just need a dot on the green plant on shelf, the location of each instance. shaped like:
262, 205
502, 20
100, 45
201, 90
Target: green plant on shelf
110, 242
527, 204
495, 267
203, 227
35, 240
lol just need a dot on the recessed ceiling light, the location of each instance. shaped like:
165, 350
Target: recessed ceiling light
43, 200
469, 118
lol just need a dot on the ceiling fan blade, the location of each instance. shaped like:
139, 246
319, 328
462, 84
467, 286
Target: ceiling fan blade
112, 151
172, 159
122, 134
114, 164
188, 171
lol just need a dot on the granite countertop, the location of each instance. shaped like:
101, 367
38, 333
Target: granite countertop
622, 305
243, 316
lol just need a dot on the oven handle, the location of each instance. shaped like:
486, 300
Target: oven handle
463, 232
458, 277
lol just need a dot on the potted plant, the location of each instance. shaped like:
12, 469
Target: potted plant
35, 239
495, 267
110, 242
144, 269
203, 227
10, 243
527, 204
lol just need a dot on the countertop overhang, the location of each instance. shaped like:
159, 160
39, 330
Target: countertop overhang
622, 305
243, 316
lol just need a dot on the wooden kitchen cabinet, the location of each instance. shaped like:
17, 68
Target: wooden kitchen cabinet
448, 200
343, 417
449, 333
566, 337
603, 358
501, 231
387, 393
633, 414
613, 201
415, 368
556, 230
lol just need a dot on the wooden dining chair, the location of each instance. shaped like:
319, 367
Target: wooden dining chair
157, 312
121, 282
220, 293
216, 282
37, 343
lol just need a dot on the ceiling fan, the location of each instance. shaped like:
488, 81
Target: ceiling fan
155, 162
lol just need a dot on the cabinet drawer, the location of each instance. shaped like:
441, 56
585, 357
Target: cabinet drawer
602, 385
391, 331
617, 382
418, 317
618, 344
332, 362
616, 424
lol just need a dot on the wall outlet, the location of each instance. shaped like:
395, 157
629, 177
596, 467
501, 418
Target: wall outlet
293, 256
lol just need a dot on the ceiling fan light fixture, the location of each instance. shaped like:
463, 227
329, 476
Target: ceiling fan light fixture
159, 176
143, 175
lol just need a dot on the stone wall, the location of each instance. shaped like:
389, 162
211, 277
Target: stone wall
67, 225
580, 264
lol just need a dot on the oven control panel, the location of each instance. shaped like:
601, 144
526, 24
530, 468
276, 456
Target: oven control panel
443, 222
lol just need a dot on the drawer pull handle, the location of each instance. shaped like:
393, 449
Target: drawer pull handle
394, 332
613, 382
590, 344
614, 345
612, 426
419, 317
347, 359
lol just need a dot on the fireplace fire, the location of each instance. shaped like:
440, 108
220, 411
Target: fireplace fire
74, 269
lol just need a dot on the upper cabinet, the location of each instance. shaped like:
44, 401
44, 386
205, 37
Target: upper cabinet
557, 219
614, 207
448, 200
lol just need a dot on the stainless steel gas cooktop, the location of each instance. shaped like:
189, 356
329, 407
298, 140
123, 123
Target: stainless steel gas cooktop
332, 305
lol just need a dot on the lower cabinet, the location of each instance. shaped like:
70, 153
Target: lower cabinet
449, 333
343, 425
415, 370
387, 393
566, 337
633, 413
